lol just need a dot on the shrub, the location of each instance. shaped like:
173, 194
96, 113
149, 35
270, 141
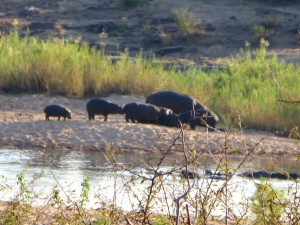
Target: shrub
250, 86
261, 32
186, 20
268, 204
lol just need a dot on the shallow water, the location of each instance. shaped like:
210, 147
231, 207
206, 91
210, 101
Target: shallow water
66, 170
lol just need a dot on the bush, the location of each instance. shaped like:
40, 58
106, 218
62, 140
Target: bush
186, 20
250, 86
268, 204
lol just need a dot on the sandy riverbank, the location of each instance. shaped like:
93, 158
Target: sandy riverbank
23, 126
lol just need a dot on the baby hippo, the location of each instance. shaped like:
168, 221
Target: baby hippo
144, 113
57, 111
199, 117
98, 106
171, 120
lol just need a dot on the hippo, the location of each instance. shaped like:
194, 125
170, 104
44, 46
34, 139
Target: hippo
170, 120
199, 117
179, 103
98, 106
144, 113
57, 111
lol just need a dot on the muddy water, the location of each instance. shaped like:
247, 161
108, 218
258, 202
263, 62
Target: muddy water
65, 171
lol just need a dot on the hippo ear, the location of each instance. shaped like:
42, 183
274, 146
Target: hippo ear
169, 111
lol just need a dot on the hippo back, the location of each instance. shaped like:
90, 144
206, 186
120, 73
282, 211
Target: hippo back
199, 117
96, 105
177, 102
57, 111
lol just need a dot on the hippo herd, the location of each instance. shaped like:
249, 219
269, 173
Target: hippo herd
167, 108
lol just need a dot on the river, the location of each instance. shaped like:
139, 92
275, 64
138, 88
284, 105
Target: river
46, 170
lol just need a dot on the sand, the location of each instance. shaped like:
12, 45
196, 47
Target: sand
23, 126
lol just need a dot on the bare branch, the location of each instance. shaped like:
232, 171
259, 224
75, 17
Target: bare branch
288, 101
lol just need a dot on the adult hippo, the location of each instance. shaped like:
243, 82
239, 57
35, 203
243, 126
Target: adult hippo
98, 106
199, 117
179, 103
144, 113
57, 111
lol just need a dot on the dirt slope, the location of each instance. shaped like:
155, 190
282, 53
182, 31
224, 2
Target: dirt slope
225, 26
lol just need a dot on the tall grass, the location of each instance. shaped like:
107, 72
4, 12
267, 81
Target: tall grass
253, 85
249, 87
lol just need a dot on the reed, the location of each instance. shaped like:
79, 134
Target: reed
249, 87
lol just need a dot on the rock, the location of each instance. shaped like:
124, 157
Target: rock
153, 39
267, 11
265, 174
5, 28
295, 30
170, 28
131, 48
169, 50
43, 26
107, 26
217, 175
31, 11
189, 174
158, 21
209, 27
106, 47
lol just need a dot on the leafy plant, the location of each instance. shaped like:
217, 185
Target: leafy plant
187, 21
85, 189
250, 85
18, 210
268, 204
261, 32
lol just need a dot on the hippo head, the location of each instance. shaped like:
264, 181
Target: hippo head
198, 105
68, 113
118, 109
163, 112
210, 118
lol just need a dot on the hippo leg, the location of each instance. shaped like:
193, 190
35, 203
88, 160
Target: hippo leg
105, 117
127, 118
47, 118
58, 118
211, 129
193, 126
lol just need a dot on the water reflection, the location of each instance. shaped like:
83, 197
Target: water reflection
89, 162
68, 168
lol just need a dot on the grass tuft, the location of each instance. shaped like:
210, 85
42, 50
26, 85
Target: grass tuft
250, 87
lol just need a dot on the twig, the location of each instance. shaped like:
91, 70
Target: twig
288, 101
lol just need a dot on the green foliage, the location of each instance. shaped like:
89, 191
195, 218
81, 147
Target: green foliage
18, 210
261, 32
186, 20
85, 189
268, 204
249, 87
108, 214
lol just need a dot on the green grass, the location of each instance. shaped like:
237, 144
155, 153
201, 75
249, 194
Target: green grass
249, 87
